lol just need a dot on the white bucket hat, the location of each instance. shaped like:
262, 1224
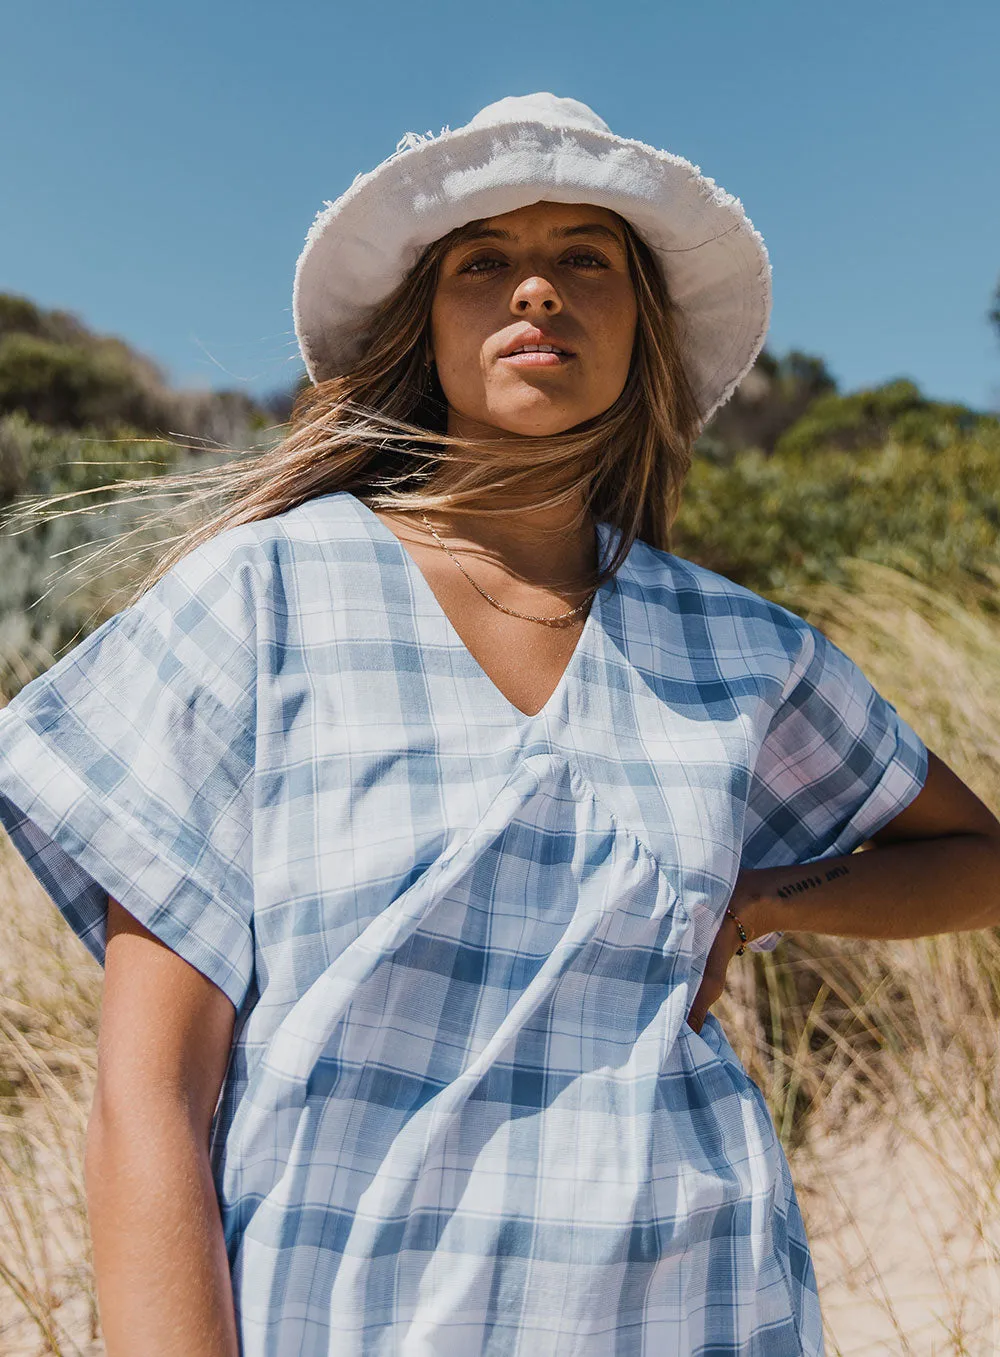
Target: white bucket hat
518, 151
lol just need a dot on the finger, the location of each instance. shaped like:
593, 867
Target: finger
702, 1002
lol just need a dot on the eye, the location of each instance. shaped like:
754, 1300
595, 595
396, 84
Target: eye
587, 258
484, 263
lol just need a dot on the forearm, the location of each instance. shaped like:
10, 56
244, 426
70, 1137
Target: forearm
163, 1281
902, 890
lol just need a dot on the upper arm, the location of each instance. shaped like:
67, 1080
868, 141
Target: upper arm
944, 805
166, 1029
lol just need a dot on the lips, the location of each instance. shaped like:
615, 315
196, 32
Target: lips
538, 348
533, 342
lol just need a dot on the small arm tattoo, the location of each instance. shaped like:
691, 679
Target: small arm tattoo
811, 882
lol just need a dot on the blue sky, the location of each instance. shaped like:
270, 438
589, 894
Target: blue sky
161, 164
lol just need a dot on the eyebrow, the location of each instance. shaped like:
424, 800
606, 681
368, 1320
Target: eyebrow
584, 229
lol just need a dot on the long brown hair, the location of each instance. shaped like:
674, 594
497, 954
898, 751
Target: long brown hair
378, 430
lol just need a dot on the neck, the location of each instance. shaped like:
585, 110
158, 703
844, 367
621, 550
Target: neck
542, 546
552, 546
532, 529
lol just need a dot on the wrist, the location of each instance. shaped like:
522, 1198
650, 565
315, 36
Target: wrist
757, 912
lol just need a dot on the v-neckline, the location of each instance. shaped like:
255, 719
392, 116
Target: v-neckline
421, 586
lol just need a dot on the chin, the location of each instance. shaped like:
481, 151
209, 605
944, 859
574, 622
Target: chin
542, 429
535, 423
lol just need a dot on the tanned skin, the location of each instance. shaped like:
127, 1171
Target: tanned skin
163, 1283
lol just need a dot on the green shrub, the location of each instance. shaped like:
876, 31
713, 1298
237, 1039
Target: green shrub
50, 597
20, 315
57, 372
35, 460
867, 419
70, 386
777, 522
770, 400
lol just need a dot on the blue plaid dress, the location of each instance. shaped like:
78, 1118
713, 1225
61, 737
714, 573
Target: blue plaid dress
464, 1113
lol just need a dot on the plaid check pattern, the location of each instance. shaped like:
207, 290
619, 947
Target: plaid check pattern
464, 1112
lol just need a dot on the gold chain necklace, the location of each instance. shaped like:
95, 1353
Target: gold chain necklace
549, 621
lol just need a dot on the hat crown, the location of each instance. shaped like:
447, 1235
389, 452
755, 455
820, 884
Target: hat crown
539, 108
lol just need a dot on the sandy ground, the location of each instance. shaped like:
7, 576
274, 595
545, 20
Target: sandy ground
906, 1244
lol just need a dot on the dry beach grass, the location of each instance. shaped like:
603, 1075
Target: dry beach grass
880, 1061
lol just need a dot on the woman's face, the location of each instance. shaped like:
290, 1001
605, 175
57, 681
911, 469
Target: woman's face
551, 274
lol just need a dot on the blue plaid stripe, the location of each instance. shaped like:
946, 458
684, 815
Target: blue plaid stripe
464, 1112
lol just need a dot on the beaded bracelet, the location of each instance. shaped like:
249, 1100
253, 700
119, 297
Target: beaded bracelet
742, 932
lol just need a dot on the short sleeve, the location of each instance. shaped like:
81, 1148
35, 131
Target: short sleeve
127, 769
837, 764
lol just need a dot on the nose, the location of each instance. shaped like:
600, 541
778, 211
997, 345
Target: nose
535, 293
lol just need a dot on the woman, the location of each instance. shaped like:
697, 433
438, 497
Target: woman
419, 804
